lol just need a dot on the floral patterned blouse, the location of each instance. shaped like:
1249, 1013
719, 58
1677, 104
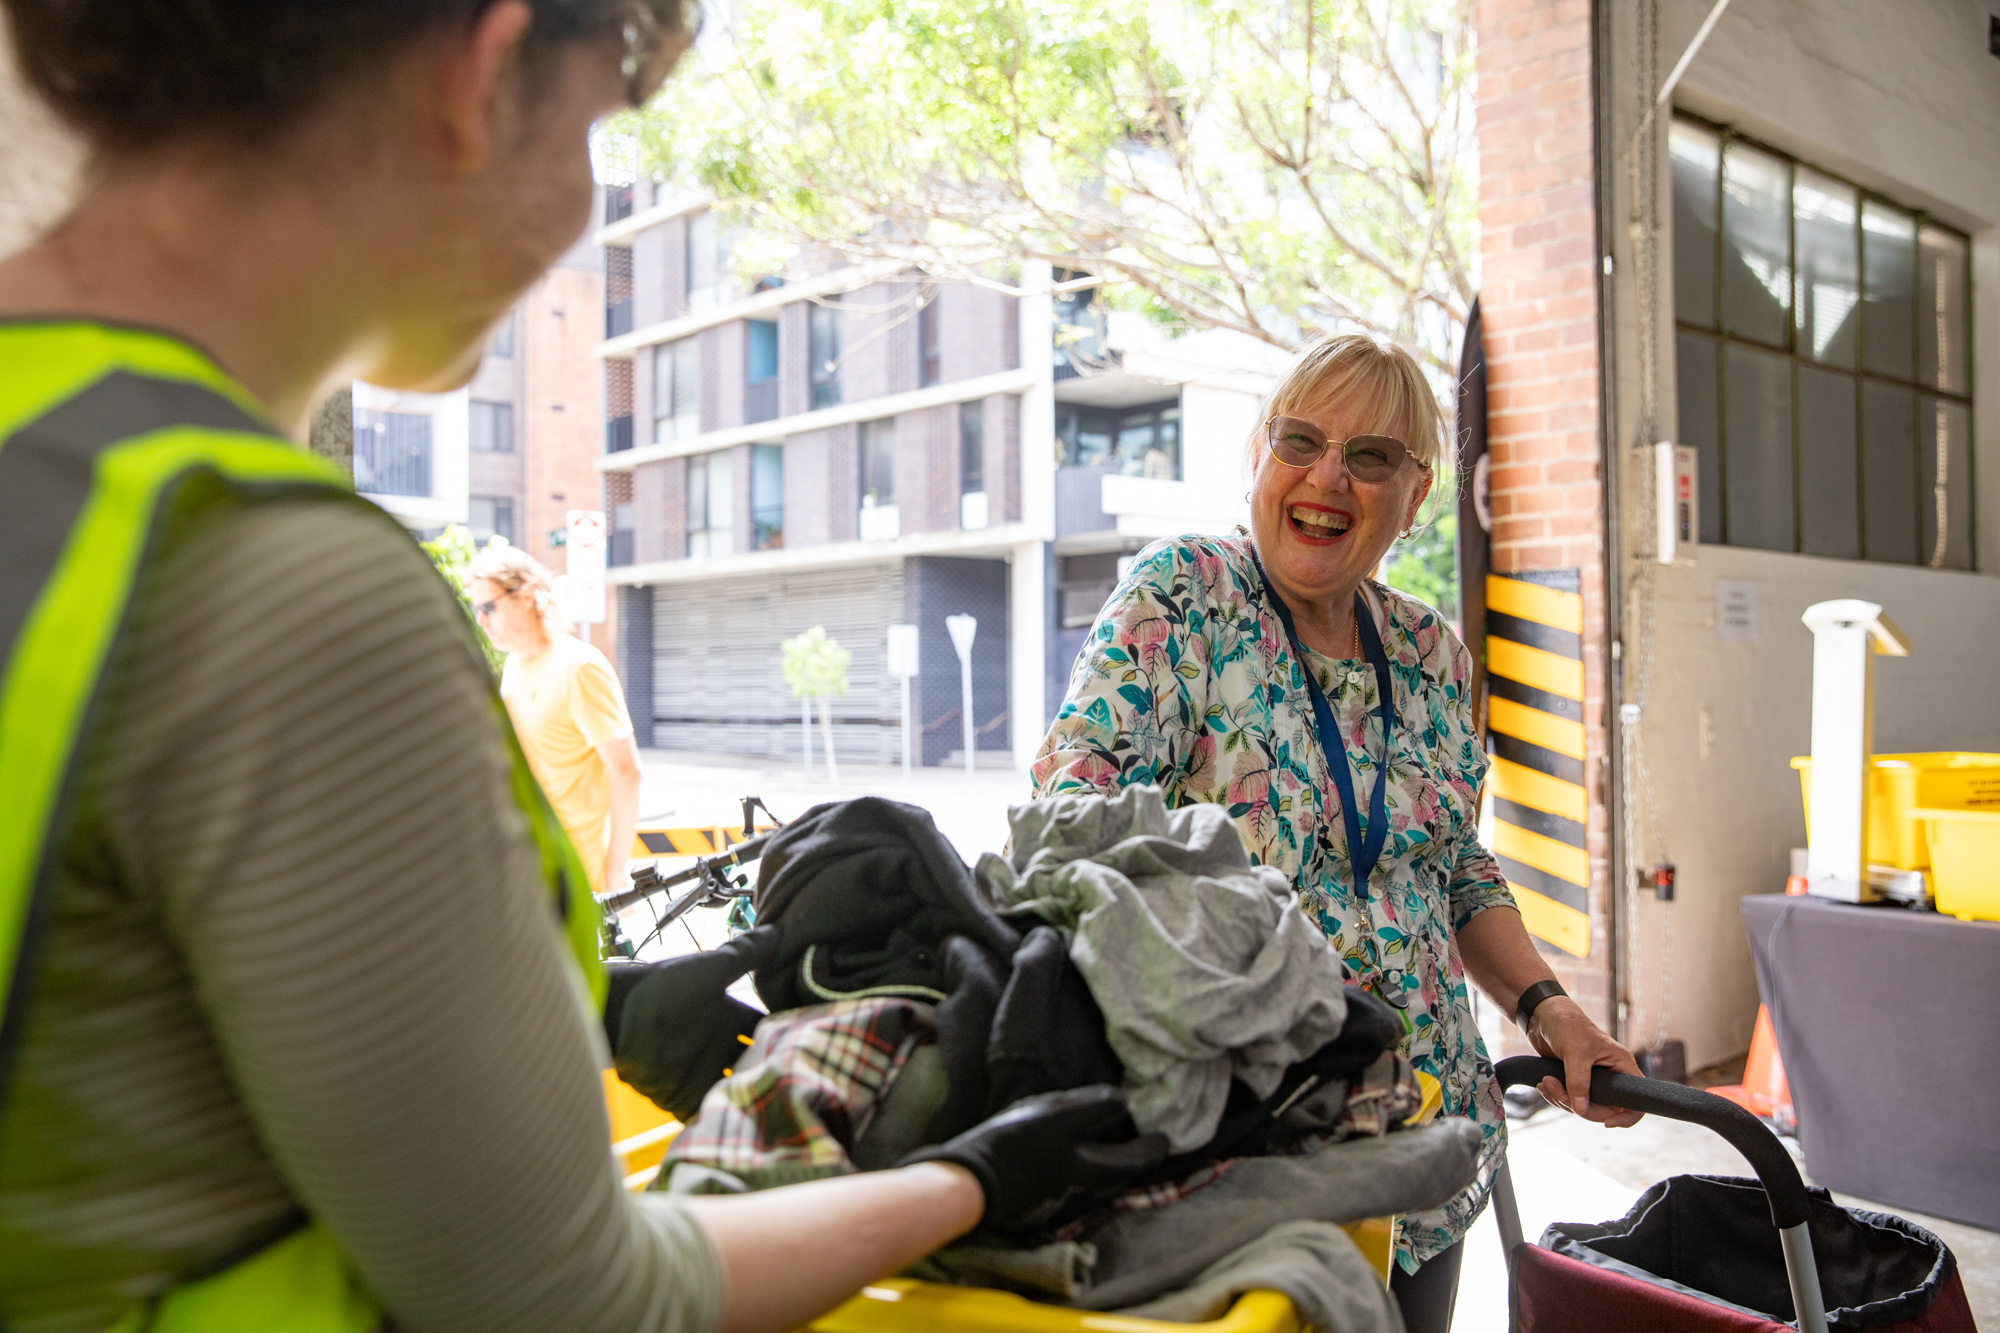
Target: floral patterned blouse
1188, 683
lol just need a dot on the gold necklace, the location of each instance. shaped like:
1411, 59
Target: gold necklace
1357, 633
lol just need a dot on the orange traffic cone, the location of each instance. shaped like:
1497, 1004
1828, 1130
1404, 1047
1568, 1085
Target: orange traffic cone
1763, 1090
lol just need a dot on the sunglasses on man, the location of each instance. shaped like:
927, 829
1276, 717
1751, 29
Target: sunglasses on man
1369, 458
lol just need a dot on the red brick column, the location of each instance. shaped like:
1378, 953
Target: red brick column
1538, 252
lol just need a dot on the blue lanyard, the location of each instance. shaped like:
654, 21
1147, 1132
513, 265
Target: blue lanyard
1362, 853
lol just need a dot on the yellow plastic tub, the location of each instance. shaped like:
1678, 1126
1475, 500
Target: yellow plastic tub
898, 1305
641, 1131
1965, 861
1899, 783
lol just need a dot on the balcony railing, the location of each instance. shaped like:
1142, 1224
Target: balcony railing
760, 402
1080, 500
618, 318
392, 452
618, 435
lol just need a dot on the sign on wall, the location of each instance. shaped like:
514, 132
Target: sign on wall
584, 553
1534, 724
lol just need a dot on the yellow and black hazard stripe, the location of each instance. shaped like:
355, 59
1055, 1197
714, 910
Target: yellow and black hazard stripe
686, 841
1534, 722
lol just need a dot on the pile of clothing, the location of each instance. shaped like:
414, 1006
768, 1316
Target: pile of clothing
910, 997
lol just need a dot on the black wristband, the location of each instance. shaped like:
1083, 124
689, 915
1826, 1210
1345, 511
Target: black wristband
1531, 999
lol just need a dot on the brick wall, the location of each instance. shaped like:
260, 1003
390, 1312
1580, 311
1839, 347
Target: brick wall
1538, 252
659, 503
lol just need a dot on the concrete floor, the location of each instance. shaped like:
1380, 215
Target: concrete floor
1564, 1169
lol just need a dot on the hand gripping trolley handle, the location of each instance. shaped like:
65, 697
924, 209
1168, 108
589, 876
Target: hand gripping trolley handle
1784, 1189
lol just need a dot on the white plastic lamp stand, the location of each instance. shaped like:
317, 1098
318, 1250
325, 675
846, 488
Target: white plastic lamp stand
962, 629
1847, 635
903, 661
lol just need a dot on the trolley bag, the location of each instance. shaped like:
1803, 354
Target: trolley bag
1699, 1254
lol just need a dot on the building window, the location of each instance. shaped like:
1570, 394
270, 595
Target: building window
930, 352
1823, 352
880, 519
491, 427
709, 498
501, 343
617, 290
972, 512
490, 516
767, 496
676, 406
760, 370
707, 262
392, 452
1080, 330
1142, 441
823, 338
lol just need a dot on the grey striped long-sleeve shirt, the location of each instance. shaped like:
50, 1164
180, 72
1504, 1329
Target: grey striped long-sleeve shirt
301, 956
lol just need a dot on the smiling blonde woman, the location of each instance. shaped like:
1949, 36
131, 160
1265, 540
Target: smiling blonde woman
1228, 669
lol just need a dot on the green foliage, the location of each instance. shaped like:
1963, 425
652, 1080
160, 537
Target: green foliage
815, 664
452, 551
1426, 564
1280, 169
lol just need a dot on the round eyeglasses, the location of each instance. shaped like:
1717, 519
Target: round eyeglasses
1370, 458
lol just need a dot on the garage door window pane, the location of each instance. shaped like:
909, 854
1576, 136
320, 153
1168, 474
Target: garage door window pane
1829, 282
1696, 155
1942, 345
1829, 466
1756, 244
1700, 411
1889, 453
1758, 449
1945, 429
1888, 271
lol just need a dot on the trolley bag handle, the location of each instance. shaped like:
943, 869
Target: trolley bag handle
1776, 1171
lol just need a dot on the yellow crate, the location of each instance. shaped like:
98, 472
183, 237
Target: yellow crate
1965, 861
1898, 783
899, 1305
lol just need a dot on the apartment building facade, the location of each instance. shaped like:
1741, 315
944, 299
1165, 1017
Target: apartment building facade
857, 447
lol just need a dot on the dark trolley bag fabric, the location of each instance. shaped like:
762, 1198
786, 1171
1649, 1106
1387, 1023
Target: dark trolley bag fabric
1701, 1254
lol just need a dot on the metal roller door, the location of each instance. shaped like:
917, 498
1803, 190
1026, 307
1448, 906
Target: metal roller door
717, 683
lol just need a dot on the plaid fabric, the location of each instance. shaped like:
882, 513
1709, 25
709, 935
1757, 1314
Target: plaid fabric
805, 1090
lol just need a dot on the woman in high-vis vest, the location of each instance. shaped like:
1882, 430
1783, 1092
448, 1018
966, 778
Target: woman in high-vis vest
291, 1040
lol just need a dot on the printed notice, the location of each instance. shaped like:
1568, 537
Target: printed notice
1736, 610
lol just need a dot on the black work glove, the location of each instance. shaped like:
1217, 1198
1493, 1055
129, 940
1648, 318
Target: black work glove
1032, 1156
675, 1031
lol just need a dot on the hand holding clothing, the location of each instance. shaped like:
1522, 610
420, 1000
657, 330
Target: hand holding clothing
1032, 1155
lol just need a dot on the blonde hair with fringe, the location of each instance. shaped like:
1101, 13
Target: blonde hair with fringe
513, 569
1379, 380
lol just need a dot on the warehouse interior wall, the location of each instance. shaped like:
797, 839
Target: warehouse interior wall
1903, 99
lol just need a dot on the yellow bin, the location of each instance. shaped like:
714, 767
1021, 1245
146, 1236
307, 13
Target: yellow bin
1965, 861
1899, 783
641, 1131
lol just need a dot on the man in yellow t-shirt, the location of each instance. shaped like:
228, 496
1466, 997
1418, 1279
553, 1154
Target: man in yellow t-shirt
567, 709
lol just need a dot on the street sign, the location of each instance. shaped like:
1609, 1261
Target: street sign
963, 628
903, 662
903, 650
584, 550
